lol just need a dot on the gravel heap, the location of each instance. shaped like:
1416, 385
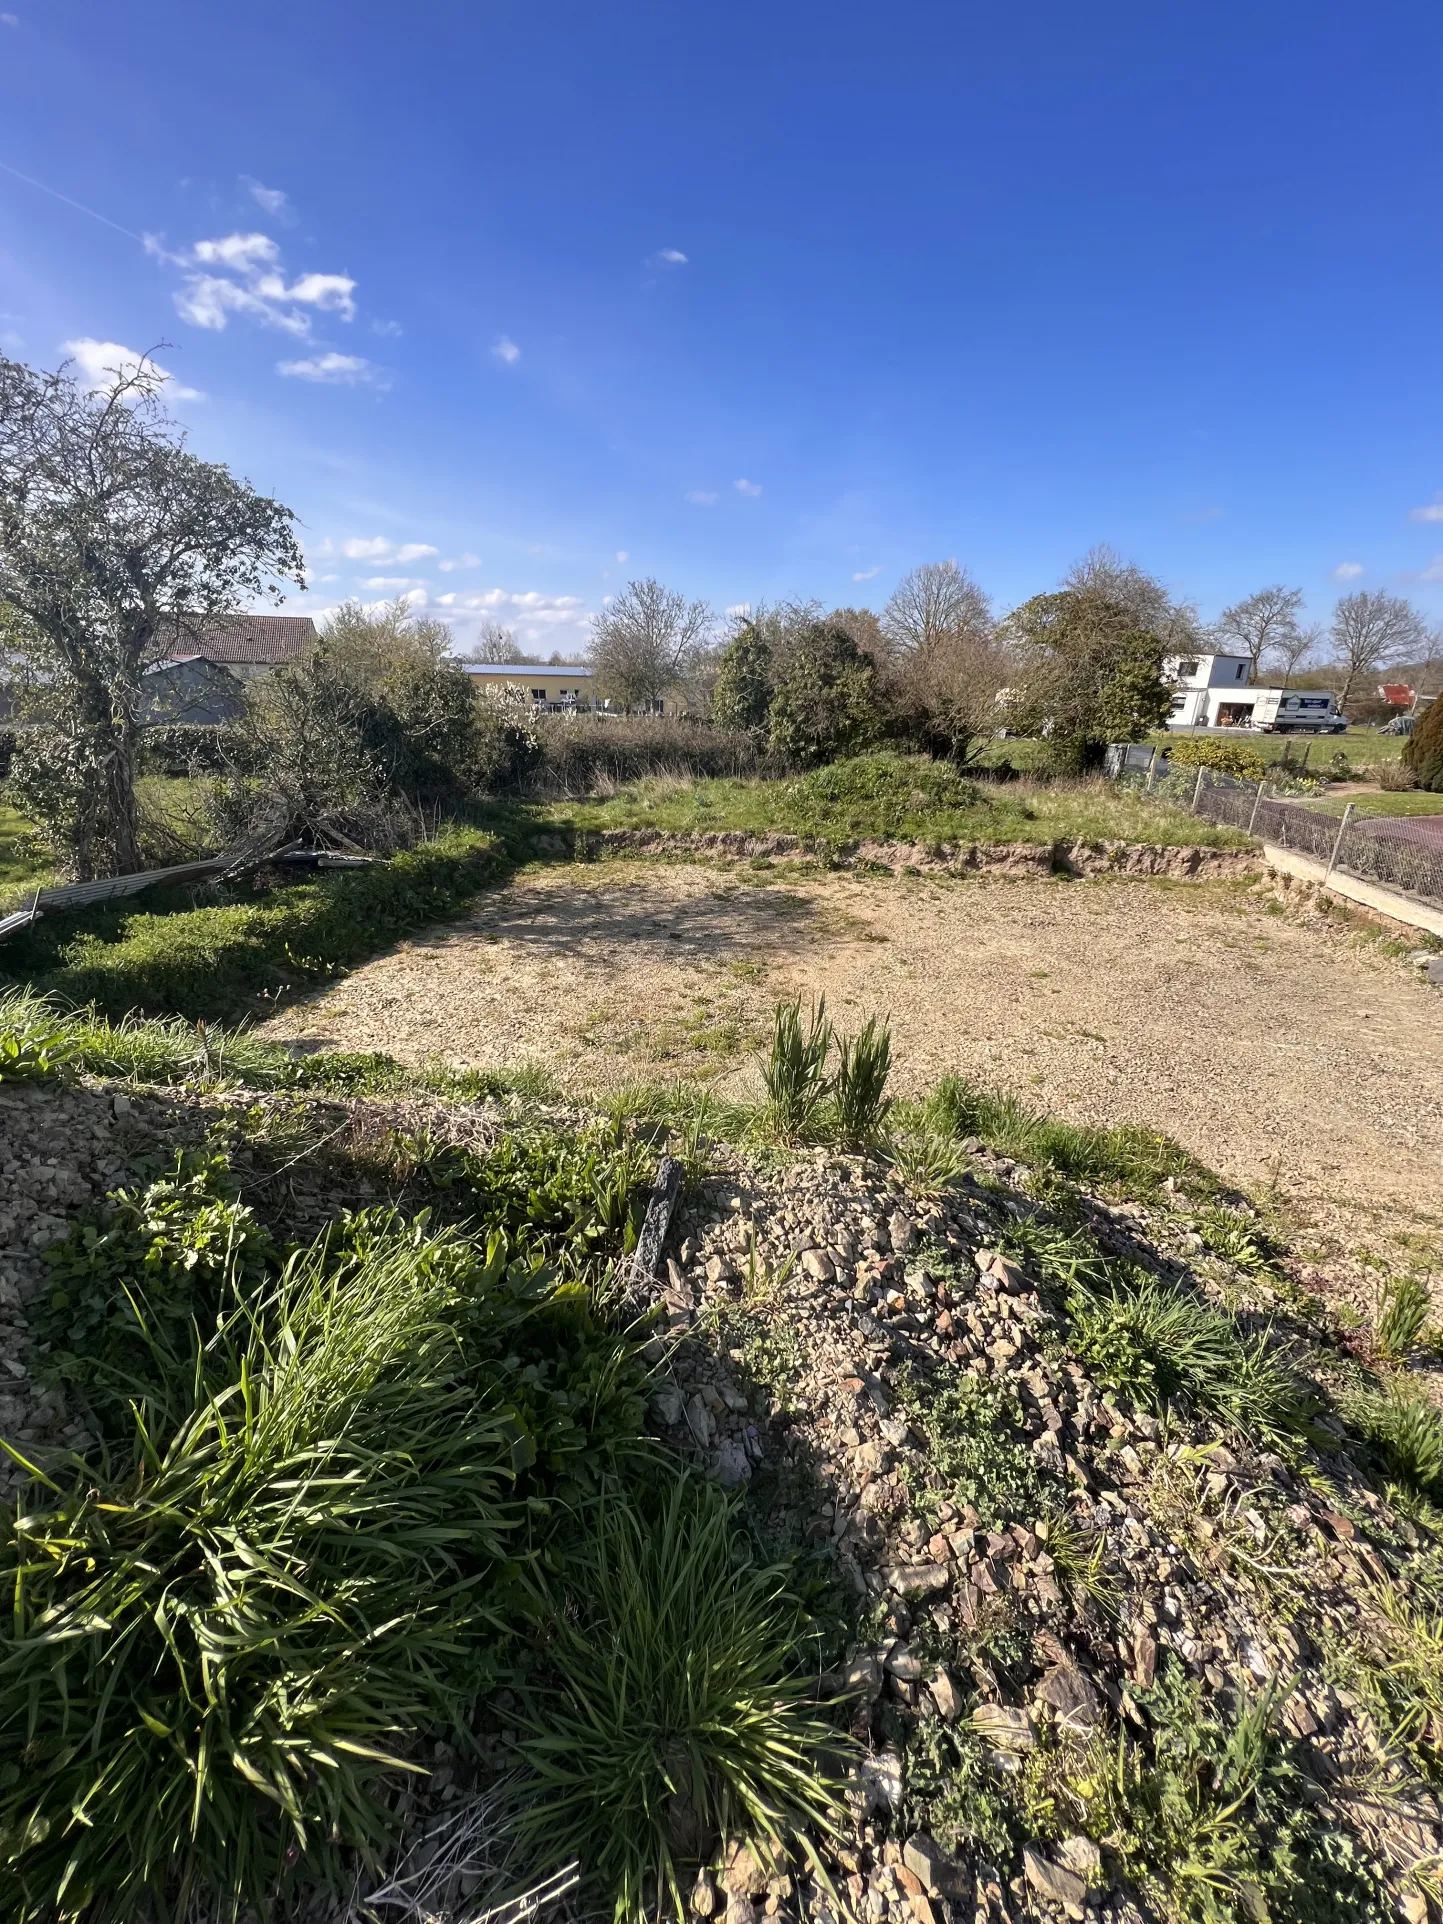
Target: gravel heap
810, 1315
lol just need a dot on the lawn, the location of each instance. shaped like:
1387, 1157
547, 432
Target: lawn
1413, 801
1363, 747
895, 798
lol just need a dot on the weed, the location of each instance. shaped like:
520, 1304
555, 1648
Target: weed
675, 1706
795, 1072
1405, 1307
34, 1044
864, 1062
1407, 1428
975, 1452
1079, 1557
1403, 1677
1152, 1343
1237, 1236
926, 1163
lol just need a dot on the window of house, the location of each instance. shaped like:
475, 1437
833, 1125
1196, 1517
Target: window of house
538, 694
1186, 670
1179, 701
1242, 669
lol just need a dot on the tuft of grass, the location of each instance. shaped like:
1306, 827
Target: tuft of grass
795, 1072
34, 1043
864, 1062
1405, 1307
1407, 1428
1127, 1157
1152, 1343
925, 1162
675, 1707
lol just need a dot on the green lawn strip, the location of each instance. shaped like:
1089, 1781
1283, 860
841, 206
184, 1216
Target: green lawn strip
889, 797
1412, 801
21, 862
215, 963
1363, 747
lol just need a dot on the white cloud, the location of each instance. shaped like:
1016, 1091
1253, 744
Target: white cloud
378, 548
271, 200
747, 487
622, 554
334, 370
392, 584
506, 350
741, 608
390, 329
453, 562
866, 574
9, 20
699, 498
1347, 571
1433, 511
100, 361
667, 257
1434, 570
243, 274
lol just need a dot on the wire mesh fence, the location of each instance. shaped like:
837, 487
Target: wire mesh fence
1396, 852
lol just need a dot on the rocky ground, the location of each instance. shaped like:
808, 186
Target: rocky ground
1026, 1557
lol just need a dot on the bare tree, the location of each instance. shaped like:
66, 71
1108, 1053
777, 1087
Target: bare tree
1102, 575
1369, 631
1262, 623
113, 540
646, 641
946, 662
1290, 650
494, 644
934, 603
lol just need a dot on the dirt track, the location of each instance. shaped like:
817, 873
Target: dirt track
1275, 1050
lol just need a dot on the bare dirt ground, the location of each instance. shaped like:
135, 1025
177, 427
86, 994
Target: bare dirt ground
1287, 1055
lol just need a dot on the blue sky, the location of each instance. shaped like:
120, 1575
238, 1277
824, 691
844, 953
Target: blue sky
510, 302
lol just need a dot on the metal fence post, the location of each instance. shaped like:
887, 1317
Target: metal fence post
1151, 771
1338, 842
1197, 789
1257, 803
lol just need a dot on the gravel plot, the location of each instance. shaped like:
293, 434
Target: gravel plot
1277, 1050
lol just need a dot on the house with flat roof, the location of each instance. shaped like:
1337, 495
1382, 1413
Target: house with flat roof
559, 685
1217, 691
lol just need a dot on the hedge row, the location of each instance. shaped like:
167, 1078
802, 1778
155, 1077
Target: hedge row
211, 963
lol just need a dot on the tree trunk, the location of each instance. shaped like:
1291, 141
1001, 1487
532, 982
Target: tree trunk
121, 807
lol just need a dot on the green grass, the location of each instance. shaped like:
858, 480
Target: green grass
1411, 801
895, 798
1364, 747
21, 864
213, 963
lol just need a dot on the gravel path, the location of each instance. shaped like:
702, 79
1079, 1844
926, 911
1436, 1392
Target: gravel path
1275, 1049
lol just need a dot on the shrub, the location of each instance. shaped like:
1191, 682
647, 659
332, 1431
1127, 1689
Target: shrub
826, 702
880, 796
675, 1706
211, 962
742, 691
188, 748
1229, 758
1396, 778
1423, 753
1153, 1343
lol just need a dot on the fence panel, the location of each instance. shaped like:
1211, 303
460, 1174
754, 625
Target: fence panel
1404, 853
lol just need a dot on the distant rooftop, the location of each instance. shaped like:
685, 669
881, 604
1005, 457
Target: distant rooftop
246, 639
572, 670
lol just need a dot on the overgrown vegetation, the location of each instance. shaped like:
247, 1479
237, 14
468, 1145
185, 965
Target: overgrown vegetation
215, 962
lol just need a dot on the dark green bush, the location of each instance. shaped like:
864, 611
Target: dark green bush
1424, 751
188, 748
211, 962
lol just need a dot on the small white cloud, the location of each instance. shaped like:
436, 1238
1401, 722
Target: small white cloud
1433, 511
747, 487
9, 20
271, 200
100, 362
506, 350
453, 562
667, 257
242, 253
699, 498
332, 293
334, 370
865, 574
377, 548
390, 329
391, 584
1347, 571
243, 274
1434, 570
622, 554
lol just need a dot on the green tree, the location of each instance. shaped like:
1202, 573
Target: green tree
1424, 752
827, 702
742, 691
114, 539
646, 641
1089, 673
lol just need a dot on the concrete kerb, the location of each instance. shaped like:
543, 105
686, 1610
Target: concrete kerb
1407, 910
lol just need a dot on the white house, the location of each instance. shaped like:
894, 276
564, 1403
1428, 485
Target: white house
1214, 691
